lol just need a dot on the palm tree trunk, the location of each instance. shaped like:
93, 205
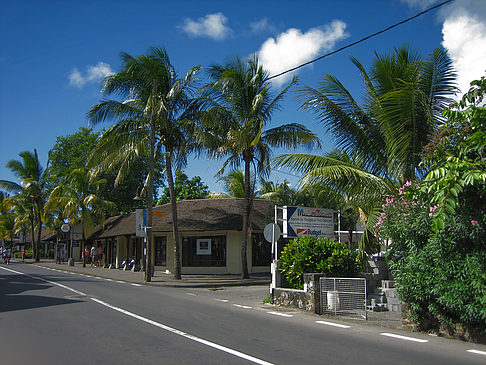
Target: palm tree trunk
32, 226
175, 219
83, 245
248, 202
39, 235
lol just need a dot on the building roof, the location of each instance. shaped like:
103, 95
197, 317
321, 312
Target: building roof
199, 215
46, 235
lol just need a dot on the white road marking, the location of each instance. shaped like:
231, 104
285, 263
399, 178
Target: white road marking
477, 352
280, 314
192, 294
242, 306
136, 284
223, 300
403, 337
184, 334
333, 324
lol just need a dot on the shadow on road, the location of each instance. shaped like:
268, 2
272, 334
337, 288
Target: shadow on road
11, 299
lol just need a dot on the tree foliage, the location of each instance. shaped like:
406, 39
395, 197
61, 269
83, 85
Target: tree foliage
185, 188
385, 135
438, 227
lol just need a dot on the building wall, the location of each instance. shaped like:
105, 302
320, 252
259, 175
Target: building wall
233, 250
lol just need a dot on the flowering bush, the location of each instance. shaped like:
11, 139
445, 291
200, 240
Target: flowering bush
439, 274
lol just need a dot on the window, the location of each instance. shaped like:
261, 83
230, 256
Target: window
204, 251
161, 251
261, 250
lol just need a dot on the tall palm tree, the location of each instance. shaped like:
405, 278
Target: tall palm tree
32, 187
77, 197
240, 107
404, 97
157, 113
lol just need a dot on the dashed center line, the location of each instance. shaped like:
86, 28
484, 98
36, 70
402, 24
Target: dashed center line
333, 324
242, 306
403, 337
477, 352
281, 314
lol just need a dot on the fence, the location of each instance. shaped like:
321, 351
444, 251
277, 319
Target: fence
343, 296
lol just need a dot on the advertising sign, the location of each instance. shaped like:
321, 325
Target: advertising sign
303, 221
203, 246
140, 222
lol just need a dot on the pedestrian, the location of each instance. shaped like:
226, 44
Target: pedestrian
8, 254
100, 255
23, 255
93, 255
86, 255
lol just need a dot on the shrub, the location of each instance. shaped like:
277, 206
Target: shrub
308, 254
441, 275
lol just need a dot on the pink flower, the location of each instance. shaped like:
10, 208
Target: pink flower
474, 222
431, 215
438, 316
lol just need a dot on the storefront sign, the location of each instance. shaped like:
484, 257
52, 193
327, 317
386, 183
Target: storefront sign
203, 246
303, 221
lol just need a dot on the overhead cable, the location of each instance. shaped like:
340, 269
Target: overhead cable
363, 39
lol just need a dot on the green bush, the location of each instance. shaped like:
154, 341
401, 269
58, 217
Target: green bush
440, 274
316, 255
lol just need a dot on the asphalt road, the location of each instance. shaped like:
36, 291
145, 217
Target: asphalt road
52, 317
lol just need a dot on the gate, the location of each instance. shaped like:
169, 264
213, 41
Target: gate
343, 296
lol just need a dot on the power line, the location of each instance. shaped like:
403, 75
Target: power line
362, 40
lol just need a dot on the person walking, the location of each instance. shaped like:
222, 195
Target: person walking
23, 254
100, 255
7, 256
93, 255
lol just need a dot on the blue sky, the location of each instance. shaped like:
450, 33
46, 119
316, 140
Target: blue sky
54, 54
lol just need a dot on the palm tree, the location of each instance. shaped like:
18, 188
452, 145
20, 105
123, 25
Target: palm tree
234, 184
157, 113
240, 107
32, 187
77, 198
404, 97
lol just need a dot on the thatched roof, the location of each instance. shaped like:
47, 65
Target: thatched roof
199, 215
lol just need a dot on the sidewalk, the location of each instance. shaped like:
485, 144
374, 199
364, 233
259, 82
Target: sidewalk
160, 278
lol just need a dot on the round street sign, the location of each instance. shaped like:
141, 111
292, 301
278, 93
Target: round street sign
65, 228
271, 231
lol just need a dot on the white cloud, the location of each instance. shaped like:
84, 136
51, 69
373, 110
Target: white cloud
93, 73
293, 47
212, 26
261, 26
464, 36
422, 4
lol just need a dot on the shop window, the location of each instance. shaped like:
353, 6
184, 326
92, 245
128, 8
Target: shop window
261, 250
160, 251
204, 251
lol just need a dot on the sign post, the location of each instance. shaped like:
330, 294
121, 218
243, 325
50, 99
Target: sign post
272, 234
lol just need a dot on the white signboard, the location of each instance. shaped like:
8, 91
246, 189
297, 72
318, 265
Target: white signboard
303, 221
203, 246
140, 222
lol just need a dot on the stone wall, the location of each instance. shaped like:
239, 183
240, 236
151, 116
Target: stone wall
308, 299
